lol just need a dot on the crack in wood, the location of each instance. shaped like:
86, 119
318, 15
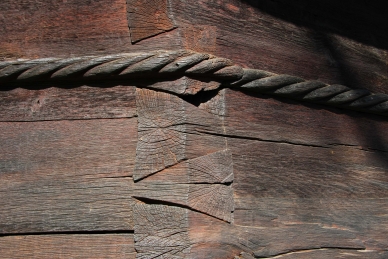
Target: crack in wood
306, 250
147, 18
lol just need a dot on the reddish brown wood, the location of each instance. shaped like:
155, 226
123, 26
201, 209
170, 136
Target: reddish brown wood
84, 102
66, 175
308, 182
148, 18
269, 42
264, 118
216, 239
34, 29
167, 124
68, 246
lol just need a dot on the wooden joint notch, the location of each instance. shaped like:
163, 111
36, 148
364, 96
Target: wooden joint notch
202, 184
171, 130
181, 167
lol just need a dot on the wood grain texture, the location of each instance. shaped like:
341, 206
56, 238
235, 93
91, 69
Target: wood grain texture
148, 18
290, 122
161, 132
68, 246
215, 167
55, 28
200, 38
161, 231
34, 28
212, 238
181, 86
66, 175
341, 188
83, 102
201, 184
171, 130
213, 199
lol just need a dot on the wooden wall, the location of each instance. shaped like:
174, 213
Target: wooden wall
337, 42
113, 170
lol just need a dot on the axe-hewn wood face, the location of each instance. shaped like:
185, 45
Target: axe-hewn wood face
238, 176
252, 194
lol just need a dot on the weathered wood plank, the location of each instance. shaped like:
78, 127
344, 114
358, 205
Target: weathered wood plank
365, 217
66, 175
338, 188
171, 131
83, 102
212, 238
261, 117
56, 28
68, 246
90, 101
264, 169
51, 28
161, 132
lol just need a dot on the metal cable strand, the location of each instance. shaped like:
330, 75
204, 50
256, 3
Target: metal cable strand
192, 64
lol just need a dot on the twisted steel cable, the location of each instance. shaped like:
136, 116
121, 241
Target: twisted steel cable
197, 65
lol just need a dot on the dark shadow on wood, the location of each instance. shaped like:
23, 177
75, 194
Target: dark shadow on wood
363, 21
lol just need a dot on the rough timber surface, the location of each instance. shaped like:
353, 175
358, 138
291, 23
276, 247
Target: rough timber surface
66, 175
311, 41
289, 180
84, 102
304, 186
68, 246
287, 121
33, 29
